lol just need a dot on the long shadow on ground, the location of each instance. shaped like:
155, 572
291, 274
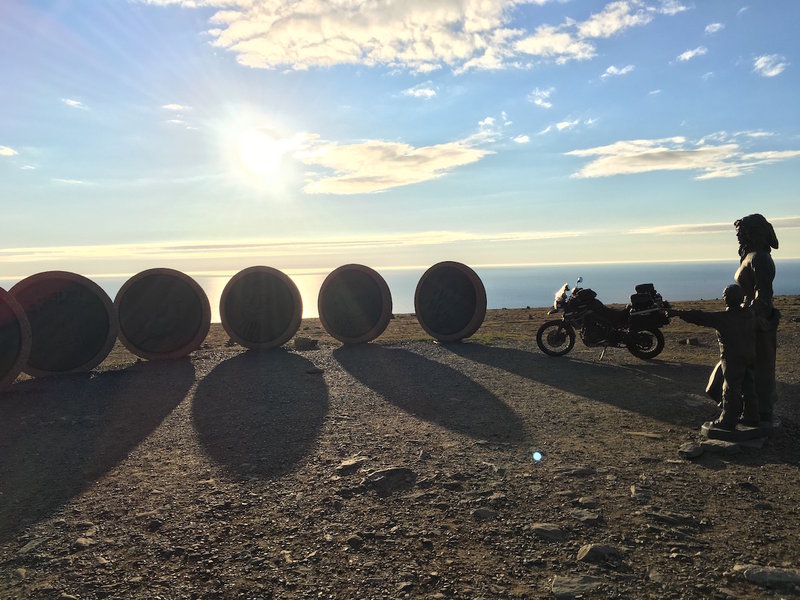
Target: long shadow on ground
260, 414
652, 388
59, 434
432, 391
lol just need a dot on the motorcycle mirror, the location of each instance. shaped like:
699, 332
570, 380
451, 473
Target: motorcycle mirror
580, 280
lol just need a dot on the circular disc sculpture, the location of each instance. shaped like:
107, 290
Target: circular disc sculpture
450, 301
15, 339
72, 322
163, 314
355, 304
261, 308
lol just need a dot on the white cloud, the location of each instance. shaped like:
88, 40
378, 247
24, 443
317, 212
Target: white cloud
541, 97
422, 90
561, 126
613, 71
418, 35
770, 65
69, 181
74, 103
6, 151
377, 165
175, 107
521, 139
710, 161
614, 18
712, 28
742, 10
176, 121
27, 168
506, 121
707, 76
704, 228
690, 54
672, 7
654, 92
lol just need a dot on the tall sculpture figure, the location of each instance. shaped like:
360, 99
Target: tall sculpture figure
755, 275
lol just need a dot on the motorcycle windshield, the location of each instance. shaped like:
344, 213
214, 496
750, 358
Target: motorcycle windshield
561, 295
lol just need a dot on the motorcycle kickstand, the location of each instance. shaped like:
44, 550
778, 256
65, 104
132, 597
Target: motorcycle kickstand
603, 353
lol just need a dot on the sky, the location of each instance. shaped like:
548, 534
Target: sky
213, 135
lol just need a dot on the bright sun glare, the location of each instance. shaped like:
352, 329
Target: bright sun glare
260, 154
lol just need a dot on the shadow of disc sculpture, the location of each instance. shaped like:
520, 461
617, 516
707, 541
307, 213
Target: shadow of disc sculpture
450, 301
355, 304
261, 308
15, 339
72, 321
163, 314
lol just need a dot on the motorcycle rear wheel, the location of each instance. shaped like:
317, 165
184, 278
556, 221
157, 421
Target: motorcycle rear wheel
645, 343
555, 338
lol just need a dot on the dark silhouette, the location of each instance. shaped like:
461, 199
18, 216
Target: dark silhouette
450, 301
736, 331
755, 275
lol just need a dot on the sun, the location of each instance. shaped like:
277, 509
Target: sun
260, 154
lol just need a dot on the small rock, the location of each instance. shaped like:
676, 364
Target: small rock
154, 525
721, 447
574, 587
405, 586
484, 513
598, 553
350, 465
587, 501
586, 516
548, 531
575, 471
690, 450
390, 480
692, 341
82, 543
355, 541
315, 371
497, 499
655, 576
31, 545
20, 573
66, 596
101, 561
304, 343
768, 576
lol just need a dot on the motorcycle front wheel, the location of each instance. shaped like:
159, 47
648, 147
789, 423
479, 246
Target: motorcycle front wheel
555, 337
645, 343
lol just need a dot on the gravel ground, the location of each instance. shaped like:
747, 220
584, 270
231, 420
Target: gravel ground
400, 468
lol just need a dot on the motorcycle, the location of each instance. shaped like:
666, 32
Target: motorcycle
636, 327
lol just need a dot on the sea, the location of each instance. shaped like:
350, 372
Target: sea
529, 285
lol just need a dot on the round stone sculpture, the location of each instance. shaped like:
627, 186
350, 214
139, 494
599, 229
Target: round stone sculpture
450, 301
72, 322
261, 308
355, 304
15, 339
163, 314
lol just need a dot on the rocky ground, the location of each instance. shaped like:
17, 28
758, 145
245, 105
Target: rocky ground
400, 468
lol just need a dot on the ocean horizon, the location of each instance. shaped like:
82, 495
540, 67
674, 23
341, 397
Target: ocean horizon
524, 285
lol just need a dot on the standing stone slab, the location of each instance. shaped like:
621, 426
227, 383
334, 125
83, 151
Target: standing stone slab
354, 304
72, 321
261, 308
15, 339
450, 301
163, 314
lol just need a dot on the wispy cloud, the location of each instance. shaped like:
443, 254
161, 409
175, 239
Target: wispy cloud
653, 92
690, 54
541, 97
263, 248
69, 181
712, 28
376, 165
414, 35
521, 139
705, 228
566, 125
175, 107
72, 103
6, 151
613, 71
709, 158
425, 91
27, 168
770, 65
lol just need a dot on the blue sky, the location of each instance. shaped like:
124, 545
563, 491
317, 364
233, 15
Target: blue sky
213, 135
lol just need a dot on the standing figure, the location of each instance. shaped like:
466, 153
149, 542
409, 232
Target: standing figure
736, 331
755, 275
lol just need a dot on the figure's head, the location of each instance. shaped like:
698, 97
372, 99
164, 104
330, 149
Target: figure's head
755, 233
733, 295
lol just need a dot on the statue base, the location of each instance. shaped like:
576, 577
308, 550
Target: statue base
742, 433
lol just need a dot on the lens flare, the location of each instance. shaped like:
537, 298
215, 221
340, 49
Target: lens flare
537, 456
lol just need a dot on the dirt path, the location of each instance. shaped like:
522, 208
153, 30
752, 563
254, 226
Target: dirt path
248, 475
